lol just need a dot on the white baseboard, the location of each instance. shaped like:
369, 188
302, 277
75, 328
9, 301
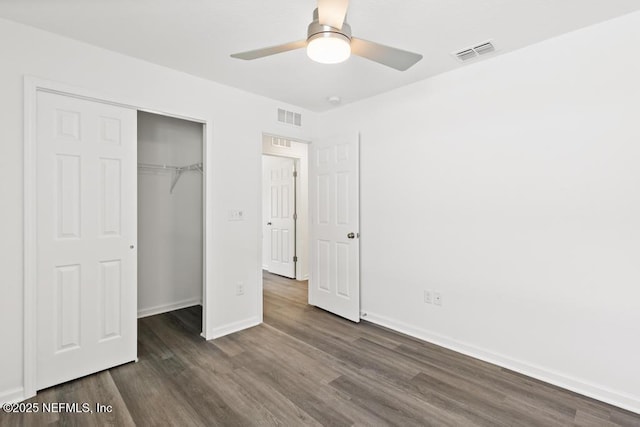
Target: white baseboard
12, 396
232, 327
604, 394
159, 309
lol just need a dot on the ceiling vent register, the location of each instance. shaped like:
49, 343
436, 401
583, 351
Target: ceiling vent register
280, 142
289, 117
465, 55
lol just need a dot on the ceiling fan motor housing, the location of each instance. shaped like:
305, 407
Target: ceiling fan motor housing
316, 30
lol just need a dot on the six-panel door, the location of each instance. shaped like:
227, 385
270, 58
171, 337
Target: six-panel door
334, 282
281, 224
86, 236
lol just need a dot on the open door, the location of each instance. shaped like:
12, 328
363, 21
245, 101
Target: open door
280, 216
334, 204
86, 237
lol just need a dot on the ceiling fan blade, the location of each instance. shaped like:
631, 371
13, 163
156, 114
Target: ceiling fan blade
332, 12
272, 50
390, 56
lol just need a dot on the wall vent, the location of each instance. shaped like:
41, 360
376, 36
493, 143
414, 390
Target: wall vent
466, 55
280, 142
469, 53
289, 117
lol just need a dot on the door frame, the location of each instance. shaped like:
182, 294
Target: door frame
33, 85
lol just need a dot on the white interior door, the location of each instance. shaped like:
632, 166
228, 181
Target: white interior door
280, 210
334, 204
86, 237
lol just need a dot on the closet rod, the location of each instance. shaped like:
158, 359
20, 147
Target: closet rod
195, 166
177, 170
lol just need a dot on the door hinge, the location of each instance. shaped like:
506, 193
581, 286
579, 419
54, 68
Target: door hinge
295, 258
295, 174
295, 216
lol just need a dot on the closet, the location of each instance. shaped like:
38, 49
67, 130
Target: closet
170, 214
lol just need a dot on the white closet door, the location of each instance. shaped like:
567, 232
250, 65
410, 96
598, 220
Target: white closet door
86, 237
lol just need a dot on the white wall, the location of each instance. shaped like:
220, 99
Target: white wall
169, 223
511, 187
233, 155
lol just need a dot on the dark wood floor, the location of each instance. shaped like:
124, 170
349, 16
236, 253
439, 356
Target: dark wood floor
304, 366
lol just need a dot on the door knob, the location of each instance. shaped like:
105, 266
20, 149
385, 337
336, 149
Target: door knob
351, 236
269, 223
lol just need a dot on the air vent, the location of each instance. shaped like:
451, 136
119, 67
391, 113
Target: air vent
467, 54
484, 48
289, 117
280, 142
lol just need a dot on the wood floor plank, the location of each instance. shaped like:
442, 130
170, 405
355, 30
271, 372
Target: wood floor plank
271, 346
151, 398
395, 407
304, 366
279, 405
299, 389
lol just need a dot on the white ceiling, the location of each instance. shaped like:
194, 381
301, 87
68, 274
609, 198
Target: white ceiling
197, 36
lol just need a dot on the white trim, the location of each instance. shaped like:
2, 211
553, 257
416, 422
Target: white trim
12, 396
159, 309
601, 393
205, 218
90, 95
260, 284
230, 328
31, 86
303, 141
29, 239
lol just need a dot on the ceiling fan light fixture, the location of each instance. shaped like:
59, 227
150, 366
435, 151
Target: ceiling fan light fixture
329, 48
329, 41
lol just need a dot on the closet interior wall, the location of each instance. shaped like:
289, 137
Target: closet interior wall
170, 223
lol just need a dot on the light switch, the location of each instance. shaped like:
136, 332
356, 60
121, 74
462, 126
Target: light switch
236, 215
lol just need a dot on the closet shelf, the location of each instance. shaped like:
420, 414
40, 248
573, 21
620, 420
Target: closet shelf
177, 171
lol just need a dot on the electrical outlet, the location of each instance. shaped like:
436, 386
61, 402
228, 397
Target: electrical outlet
427, 297
437, 298
240, 288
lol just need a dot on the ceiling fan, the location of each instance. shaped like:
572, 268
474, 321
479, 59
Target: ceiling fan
329, 41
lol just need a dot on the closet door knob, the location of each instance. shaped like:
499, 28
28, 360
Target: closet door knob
269, 223
130, 246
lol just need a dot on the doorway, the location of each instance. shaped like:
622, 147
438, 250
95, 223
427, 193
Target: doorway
292, 155
285, 207
170, 214
332, 219
81, 243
